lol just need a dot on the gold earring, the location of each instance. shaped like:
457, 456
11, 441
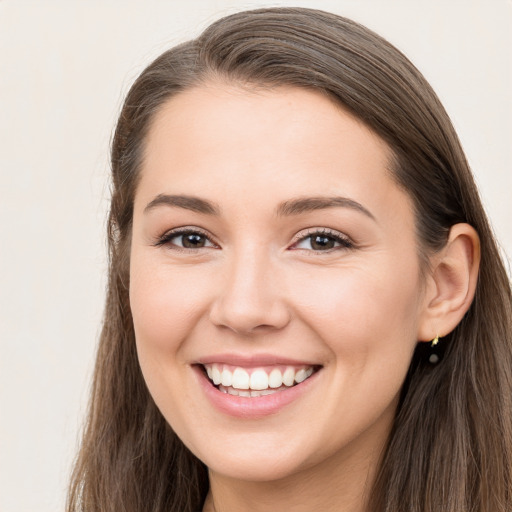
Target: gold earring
434, 358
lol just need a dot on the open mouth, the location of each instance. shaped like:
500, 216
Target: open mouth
256, 382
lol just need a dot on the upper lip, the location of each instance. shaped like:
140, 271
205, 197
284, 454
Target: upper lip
253, 360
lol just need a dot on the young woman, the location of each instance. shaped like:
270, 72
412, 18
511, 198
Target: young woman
306, 306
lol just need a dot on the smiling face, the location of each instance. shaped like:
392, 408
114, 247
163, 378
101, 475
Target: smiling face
272, 251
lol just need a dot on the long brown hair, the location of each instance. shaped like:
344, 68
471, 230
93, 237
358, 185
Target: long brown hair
450, 449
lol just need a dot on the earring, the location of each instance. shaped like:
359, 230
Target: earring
434, 358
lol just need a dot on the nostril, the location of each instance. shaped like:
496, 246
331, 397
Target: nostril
250, 322
248, 303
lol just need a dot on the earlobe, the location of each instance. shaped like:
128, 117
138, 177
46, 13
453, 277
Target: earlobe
452, 283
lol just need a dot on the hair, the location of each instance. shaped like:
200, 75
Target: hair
450, 448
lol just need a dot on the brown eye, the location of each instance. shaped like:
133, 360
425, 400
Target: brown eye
192, 240
322, 242
185, 239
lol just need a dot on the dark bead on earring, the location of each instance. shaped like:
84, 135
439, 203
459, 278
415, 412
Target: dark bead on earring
434, 358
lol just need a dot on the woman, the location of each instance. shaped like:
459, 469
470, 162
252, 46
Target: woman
306, 306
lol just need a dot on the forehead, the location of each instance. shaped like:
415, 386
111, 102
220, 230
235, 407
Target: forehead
240, 112
263, 145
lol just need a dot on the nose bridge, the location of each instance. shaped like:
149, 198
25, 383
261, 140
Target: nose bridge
250, 297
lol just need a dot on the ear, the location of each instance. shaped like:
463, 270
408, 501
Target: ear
451, 285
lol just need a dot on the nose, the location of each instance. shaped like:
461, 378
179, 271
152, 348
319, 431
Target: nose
251, 296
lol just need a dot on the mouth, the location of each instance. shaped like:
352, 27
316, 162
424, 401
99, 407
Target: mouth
257, 381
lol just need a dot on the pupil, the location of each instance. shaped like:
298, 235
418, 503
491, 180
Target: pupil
193, 241
322, 242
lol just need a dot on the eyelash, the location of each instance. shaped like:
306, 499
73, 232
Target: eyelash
338, 238
343, 241
166, 238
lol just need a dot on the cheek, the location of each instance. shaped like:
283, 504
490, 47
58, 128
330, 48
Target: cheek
166, 306
367, 319
166, 303
361, 307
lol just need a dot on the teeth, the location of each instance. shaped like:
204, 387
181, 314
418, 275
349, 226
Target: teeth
275, 379
226, 378
216, 375
289, 376
259, 380
245, 393
300, 376
239, 381
263, 392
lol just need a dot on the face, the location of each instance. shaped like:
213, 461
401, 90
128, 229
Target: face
275, 280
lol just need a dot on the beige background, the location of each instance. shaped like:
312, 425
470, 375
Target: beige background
64, 68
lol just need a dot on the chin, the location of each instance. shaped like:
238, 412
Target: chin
261, 469
256, 456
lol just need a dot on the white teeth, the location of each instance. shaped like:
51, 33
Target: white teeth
263, 392
289, 376
259, 380
275, 379
300, 376
226, 378
245, 393
240, 379
216, 374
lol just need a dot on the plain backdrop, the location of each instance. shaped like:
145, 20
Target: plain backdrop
64, 68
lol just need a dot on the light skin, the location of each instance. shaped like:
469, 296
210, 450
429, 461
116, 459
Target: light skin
333, 281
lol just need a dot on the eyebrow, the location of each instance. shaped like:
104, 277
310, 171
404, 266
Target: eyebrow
287, 208
308, 204
193, 203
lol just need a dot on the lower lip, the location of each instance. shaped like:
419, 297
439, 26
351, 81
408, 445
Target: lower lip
254, 407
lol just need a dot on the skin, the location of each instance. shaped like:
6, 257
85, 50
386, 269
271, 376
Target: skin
257, 286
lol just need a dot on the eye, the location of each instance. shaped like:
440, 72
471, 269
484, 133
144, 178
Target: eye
185, 239
322, 241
